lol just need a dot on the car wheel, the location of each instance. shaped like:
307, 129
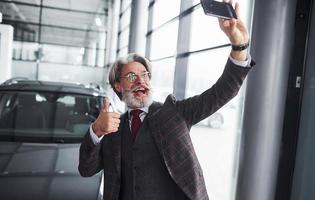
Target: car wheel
216, 120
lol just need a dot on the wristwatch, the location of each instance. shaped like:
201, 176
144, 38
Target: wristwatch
240, 47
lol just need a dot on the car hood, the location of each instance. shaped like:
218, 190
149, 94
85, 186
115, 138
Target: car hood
44, 171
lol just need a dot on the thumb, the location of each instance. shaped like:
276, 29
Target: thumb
106, 104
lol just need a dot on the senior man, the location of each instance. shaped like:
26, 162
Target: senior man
147, 153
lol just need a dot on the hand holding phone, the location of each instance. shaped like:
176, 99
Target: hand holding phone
218, 9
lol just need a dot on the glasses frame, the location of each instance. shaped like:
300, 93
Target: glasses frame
132, 77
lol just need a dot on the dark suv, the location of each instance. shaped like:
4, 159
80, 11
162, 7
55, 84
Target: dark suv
41, 126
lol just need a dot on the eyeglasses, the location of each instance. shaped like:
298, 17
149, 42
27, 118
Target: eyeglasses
131, 76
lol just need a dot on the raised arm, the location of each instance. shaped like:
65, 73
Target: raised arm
199, 107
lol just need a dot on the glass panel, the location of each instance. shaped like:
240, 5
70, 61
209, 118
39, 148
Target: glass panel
17, 12
124, 23
125, 19
25, 32
19, 17
162, 78
79, 35
164, 41
24, 69
79, 20
25, 51
82, 5
205, 68
196, 2
164, 10
205, 31
123, 51
28, 1
71, 73
61, 54
216, 138
125, 4
62, 36
124, 38
70, 37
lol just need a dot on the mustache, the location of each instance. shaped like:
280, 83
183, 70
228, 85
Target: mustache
138, 87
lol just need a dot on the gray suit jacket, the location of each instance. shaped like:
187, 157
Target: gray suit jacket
169, 123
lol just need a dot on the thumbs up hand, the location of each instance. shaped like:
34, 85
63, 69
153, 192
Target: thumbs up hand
106, 122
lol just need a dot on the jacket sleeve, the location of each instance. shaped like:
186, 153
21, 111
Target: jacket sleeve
197, 108
90, 159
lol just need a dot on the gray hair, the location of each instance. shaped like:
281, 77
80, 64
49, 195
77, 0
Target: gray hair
114, 73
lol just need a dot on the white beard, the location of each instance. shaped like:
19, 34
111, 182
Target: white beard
133, 102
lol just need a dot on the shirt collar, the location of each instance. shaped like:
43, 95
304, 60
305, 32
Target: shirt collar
144, 109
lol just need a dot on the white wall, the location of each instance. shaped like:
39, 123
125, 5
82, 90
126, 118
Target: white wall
6, 40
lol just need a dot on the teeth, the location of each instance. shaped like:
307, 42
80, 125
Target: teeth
140, 90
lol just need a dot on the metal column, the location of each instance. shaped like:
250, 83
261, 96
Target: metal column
112, 31
271, 47
138, 26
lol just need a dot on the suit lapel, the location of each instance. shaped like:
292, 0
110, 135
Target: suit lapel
153, 125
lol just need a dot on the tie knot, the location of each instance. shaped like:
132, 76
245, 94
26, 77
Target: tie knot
136, 112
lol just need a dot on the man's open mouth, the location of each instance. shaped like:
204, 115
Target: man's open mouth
140, 91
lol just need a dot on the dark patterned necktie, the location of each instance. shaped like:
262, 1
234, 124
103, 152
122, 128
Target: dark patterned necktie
135, 123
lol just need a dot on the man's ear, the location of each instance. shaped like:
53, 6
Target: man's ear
117, 86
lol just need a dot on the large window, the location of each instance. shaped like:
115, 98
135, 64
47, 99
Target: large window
165, 10
204, 69
164, 41
75, 29
163, 78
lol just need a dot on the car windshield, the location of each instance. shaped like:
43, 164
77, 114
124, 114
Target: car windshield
46, 116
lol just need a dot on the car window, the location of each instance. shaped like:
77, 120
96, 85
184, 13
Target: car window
46, 116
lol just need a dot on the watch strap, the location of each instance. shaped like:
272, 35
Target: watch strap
240, 47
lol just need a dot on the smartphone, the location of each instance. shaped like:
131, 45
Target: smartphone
218, 9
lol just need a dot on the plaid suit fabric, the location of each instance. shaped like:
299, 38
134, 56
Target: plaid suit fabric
169, 124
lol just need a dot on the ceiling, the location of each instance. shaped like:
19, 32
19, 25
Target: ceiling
60, 22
